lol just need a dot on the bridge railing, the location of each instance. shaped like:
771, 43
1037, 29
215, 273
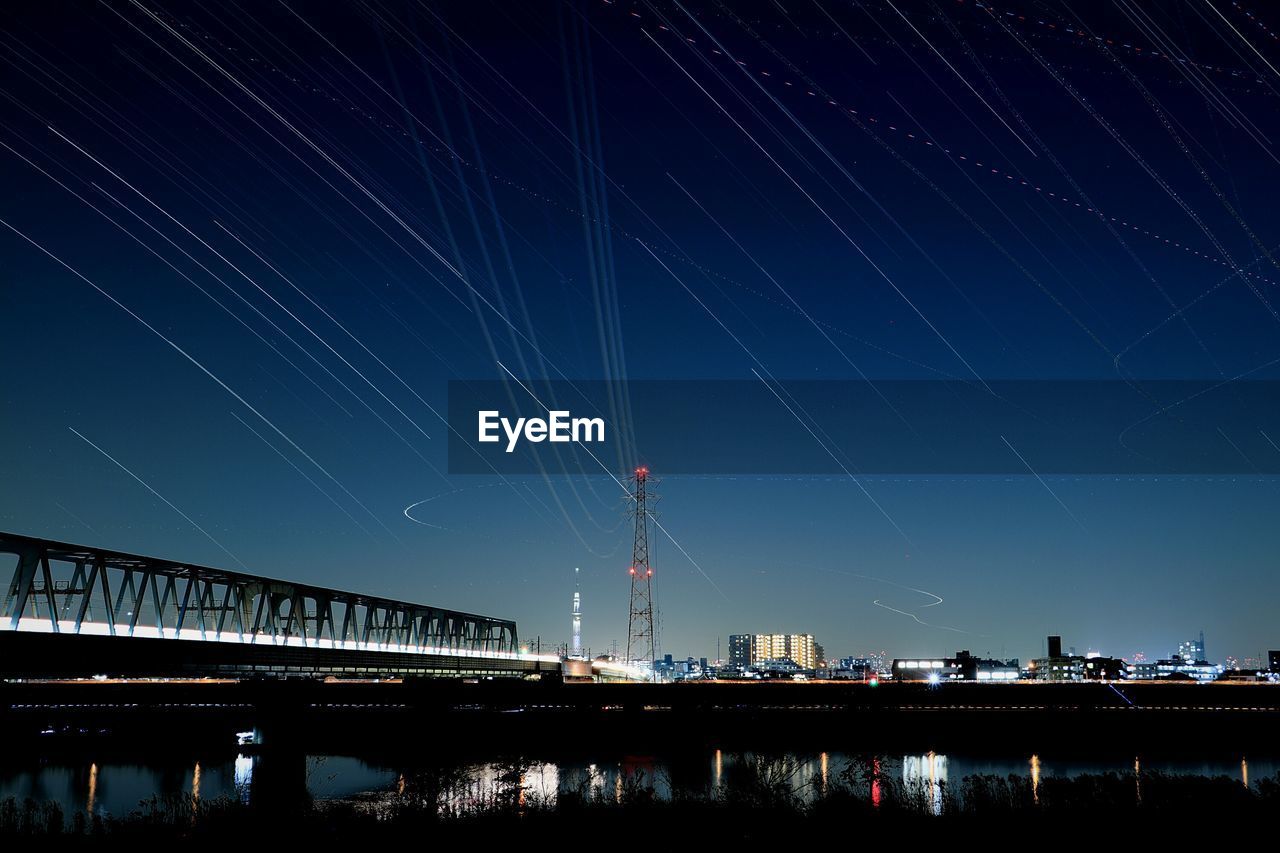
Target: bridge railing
62, 588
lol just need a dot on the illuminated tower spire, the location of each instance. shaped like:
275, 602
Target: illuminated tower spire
642, 644
576, 651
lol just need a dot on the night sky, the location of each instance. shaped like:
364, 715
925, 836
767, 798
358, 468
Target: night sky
247, 245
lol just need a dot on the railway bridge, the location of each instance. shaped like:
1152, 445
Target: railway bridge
72, 611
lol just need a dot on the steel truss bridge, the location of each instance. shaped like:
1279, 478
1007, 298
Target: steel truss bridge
72, 610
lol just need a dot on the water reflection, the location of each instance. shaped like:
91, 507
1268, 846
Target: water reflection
103, 788
93, 789
876, 792
243, 777
925, 776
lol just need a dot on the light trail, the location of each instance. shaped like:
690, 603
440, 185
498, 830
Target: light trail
761, 365
818, 206
1042, 482
420, 503
456, 270
579, 213
333, 320
1162, 115
345, 173
982, 166
1108, 222
878, 603
1164, 409
625, 491
961, 77
304, 474
803, 313
1138, 159
200, 366
251, 281
1269, 441
937, 599
182, 274
1247, 42
834, 458
166, 501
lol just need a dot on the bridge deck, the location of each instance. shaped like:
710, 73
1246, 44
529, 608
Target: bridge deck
67, 609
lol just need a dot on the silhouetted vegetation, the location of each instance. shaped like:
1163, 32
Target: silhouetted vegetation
757, 798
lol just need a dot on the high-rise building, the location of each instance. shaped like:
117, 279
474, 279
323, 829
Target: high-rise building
1192, 651
746, 649
740, 651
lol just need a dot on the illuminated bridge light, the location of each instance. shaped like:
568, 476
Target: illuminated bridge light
75, 590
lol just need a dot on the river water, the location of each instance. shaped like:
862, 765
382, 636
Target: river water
115, 787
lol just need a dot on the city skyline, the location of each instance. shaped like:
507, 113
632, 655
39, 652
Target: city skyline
247, 249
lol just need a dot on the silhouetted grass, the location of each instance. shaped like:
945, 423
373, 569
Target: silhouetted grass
757, 798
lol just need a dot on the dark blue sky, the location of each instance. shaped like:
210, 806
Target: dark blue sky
378, 200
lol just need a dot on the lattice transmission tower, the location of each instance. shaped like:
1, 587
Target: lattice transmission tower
642, 644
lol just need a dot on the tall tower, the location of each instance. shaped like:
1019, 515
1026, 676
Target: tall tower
641, 642
576, 651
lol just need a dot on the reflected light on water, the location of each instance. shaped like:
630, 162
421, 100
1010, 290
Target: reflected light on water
93, 788
926, 775
925, 778
244, 776
596, 779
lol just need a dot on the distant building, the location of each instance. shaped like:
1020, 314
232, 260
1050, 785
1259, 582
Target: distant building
1057, 666
1105, 668
1175, 667
963, 667
853, 668
1192, 650
746, 650
776, 667
1189, 662
1273, 660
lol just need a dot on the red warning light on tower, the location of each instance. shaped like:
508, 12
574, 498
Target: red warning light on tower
642, 646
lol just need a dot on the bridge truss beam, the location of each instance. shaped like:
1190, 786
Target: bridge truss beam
62, 588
